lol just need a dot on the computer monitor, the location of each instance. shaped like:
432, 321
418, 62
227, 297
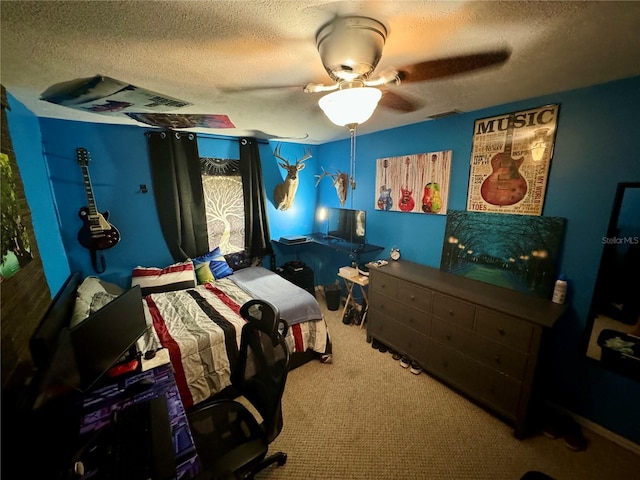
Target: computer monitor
103, 338
347, 224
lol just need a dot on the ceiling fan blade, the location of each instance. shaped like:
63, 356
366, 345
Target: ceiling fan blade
319, 87
445, 67
399, 103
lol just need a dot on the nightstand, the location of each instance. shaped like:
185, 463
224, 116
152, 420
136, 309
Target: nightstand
302, 277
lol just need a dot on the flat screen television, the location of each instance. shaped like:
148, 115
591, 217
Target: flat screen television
105, 337
348, 225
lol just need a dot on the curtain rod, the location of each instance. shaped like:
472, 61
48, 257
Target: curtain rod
222, 137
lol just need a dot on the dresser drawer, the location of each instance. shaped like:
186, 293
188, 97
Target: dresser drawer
383, 285
449, 365
398, 336
453, 311
498, 357
503, 359
504, 329
496, 390
415, 319
395, 310
415, 297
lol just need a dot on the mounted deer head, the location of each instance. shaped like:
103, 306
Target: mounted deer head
340, 182
284, 193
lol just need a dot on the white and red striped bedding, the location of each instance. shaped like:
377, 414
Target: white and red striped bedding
201, 329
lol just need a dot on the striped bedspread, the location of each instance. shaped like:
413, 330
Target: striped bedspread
201, 329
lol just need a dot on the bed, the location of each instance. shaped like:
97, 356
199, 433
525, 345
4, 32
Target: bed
201, 326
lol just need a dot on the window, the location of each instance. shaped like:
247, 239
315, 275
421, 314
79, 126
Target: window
224, 204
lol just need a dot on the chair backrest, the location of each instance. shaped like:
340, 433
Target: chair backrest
263, 363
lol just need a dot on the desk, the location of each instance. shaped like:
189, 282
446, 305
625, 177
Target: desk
98, 407
354, 250
350, 282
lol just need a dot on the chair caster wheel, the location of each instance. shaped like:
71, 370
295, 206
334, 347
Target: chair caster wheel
282, 460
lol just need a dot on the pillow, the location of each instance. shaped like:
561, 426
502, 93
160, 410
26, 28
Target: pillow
239, 260
99, 300
217, 263
87, 290
178, 276
203, 273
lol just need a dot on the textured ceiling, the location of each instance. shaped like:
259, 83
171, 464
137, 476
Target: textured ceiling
218, 55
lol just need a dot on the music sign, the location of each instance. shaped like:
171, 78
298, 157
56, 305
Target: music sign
510, 161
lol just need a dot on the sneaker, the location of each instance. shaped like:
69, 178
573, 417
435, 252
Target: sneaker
395, 355
354, 317
375, 344
574, 438
405, 362
347, 318
383, 348
326, 359
415, 368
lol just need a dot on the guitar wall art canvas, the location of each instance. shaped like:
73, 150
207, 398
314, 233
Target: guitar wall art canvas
510, 161
417, 183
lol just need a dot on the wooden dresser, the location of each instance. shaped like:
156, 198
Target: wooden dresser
480, 339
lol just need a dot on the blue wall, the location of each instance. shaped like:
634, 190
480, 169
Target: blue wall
594, 151
27, 146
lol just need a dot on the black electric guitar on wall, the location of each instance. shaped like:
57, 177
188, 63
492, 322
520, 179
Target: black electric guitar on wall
96, 232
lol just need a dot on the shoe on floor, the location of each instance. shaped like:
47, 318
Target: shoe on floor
405, 362
395, 355
574, 438
375, 344
348, 316
415, 368
383, 348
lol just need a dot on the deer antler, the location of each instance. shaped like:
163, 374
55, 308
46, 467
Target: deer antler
276, 153
325, 174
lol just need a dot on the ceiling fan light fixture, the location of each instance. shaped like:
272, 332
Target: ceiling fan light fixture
352, 106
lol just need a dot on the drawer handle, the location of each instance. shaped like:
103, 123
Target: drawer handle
412, 297
501, 331
450, 312
498, 359
448, 337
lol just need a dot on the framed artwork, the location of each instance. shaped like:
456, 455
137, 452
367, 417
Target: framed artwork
510, 161
417, 183
519, 252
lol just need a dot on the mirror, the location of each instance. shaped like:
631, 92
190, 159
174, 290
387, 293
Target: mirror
614, 319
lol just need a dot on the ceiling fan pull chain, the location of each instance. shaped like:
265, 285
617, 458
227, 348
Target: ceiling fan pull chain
352, 172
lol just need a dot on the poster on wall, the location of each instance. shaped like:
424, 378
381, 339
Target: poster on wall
16, 248
106, 95
182, 120
417, 183
520, 252
510, 161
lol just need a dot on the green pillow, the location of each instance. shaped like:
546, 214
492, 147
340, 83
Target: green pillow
203, 273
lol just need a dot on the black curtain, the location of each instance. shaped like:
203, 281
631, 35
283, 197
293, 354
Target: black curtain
257, 236
177, 187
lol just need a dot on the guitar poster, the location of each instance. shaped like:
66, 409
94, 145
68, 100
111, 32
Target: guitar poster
510, 161
416, 183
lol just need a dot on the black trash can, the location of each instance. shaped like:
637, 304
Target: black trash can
332, 295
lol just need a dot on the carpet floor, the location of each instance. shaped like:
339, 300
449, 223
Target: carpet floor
366, 417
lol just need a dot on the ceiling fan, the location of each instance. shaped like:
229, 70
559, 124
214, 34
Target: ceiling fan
350, 48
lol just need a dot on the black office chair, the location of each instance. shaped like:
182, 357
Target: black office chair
231, 443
